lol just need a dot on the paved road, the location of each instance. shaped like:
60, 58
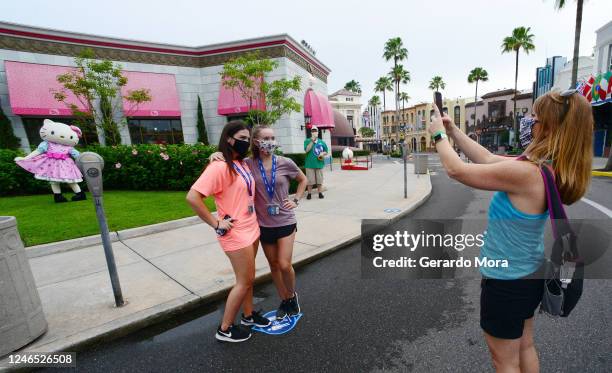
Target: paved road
351, 324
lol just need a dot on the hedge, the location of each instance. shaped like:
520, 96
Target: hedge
15, 180
130, 167
127, 167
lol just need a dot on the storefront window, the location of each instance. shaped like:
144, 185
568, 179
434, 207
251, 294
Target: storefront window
156, 131
32, 127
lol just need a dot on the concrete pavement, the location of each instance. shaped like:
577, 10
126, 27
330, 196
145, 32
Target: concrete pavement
176, 270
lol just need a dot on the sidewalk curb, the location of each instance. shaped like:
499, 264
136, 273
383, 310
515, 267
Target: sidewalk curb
158, 313
83, 242
601, 173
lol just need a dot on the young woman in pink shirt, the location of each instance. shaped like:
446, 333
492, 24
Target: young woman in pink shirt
233, 187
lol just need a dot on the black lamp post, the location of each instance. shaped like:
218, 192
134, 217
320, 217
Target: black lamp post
307, 119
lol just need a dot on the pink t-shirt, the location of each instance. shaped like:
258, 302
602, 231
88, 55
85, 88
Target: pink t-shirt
232, 198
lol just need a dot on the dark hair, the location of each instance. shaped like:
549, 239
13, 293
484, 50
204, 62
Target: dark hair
230, 130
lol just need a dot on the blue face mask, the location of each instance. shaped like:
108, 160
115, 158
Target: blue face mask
525, 128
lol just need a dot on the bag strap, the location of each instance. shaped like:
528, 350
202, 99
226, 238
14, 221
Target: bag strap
561, 228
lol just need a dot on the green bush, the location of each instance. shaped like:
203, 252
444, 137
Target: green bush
15, 180
127, 167
293, 183
298, 158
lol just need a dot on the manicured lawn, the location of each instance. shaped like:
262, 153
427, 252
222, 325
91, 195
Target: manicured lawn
40, 220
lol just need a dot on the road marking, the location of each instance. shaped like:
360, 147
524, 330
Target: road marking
599, 207
392, 210
396, 162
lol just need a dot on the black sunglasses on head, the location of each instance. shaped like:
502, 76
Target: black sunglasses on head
566, 95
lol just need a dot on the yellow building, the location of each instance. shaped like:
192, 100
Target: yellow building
412, 126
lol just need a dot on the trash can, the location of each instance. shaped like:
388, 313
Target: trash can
21, 316
420, 163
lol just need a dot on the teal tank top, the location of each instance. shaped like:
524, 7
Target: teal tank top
513, 236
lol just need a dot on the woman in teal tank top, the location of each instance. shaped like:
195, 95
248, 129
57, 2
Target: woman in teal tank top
561, 130
514, 236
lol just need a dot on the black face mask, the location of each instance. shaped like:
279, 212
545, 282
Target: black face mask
241, 147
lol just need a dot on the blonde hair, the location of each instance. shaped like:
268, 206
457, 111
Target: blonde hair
566, 141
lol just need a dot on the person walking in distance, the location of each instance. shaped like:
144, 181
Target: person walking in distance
316, 151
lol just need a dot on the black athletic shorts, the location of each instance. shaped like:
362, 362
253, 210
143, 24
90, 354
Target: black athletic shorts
506, 304
272, 234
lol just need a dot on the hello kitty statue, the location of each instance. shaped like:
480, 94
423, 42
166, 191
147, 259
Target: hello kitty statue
52, 161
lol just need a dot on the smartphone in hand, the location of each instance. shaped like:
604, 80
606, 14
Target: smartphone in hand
438, 101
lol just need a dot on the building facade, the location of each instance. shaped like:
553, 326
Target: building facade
176, 76
348, 104
545, 76
563, 77
495, 117
412, 125
603, 49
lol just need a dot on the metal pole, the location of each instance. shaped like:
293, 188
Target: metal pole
405, 171
108, 252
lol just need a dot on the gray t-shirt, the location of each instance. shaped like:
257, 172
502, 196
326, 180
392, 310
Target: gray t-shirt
286, 170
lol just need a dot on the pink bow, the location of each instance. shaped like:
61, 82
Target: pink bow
57, 155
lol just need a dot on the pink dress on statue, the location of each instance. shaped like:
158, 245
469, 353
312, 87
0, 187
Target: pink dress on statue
55, 163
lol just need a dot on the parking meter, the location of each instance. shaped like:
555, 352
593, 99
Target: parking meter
405, 157
91, 165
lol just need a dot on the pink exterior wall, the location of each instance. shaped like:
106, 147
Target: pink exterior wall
162, 87
30, 89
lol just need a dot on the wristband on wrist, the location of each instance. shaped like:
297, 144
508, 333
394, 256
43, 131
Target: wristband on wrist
433, 137
439, 136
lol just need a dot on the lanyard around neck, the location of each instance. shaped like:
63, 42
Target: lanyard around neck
246, 176
269, 185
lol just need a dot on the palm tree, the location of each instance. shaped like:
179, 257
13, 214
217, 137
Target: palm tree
477, 74
559, 4
395, 50
383, 84
353, 86
374, 101
404, 98
436, 83
520, 39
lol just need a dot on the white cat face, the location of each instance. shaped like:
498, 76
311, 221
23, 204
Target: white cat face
59, 133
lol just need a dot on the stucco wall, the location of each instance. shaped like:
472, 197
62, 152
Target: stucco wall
190, 82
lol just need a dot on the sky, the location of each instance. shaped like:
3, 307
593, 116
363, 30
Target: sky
445, 37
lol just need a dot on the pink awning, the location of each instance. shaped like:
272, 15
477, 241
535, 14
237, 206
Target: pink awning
164, 96
231, 102
317, 106
31, 89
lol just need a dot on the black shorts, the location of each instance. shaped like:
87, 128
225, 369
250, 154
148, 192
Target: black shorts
506, 304
272, 234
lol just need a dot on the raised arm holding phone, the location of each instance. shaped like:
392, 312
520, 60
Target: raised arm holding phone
561, 135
